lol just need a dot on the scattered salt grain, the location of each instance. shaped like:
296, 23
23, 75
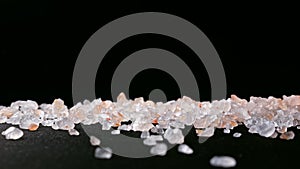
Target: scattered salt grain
94, 141
226, 130
115, 132
73, 132
12, 133
222, 161
185, 149
237, 135
103, 153
159, 149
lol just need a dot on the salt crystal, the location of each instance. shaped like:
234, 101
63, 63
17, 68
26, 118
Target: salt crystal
115, 132
94, 141
103, 153
183, 148
65, 124
157, 137
298, 127
159, 149
8, 130
237, 135
145, 134
222, 161
174, 136
12, 133
274, 135
208, 132
73, 132
3, 119
149, 141
226, 130
125, 127
288, 135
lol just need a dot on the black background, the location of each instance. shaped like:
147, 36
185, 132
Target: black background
40, 41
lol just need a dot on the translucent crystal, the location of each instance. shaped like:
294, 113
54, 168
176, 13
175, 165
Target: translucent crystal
115, 132
65, 124
288, 135
174, 136
183, 148
159, 149
94, 141
125, 127
227, 131
103, 153
222, 161
145, 134
73, 132
12, 133
208, 132
237, 135
150, 141
156, 137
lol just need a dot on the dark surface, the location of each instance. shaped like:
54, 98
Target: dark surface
40, 41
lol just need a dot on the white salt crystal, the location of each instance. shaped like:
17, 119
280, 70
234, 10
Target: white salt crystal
159, 149
65, 124
174, 136
185, 149
12, 133
223, 161
208, 132
237, 135
145, 134
73, 132
125, 127
94, 141
149, 141
227, 131
103, 153
3, 119
115, 132
8, 130
157, 137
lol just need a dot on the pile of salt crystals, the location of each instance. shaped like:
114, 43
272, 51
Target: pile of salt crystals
266, 116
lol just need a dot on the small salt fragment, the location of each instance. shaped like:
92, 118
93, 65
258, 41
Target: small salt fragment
208, 132
174, 136
298, 127
237, 135
73, 132
145, 134
8, 130
115, 132
288, 135
125, 127
149, 141
55, 126
157, 137
185, 149
226, 130
222, 161
103, 153
274, 135
159, 149
3, 119
65, 124
94, 141
12, 133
